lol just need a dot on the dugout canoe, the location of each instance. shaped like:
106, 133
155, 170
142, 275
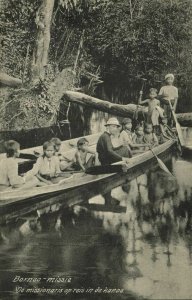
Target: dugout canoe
78, 187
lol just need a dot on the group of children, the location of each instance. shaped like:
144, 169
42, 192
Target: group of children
159, 116
169, 96
144, 134
48, 166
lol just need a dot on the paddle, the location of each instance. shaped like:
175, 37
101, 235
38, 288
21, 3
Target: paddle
142, 87
135, 115
178, 127
161, 163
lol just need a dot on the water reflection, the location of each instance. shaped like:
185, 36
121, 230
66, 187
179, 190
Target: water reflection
147, 251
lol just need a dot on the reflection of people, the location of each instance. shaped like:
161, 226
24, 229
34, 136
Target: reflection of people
110, 147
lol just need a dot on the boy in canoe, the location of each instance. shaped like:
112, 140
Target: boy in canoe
154, 110
138, 136
64, 162
149, 136
126, 134
129, 138
166, 132
9, 176
47, 165
168, 93
82, 162
110, 147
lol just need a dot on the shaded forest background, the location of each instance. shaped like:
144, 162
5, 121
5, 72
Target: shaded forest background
101, 47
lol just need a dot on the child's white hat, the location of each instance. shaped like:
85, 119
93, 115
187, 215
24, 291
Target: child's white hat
169, 75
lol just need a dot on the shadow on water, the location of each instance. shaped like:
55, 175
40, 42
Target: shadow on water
145, 252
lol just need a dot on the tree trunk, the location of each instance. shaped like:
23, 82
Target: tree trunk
40, 53
185, 119
105, 106
8, 80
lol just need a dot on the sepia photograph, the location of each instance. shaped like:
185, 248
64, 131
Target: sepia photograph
96, 149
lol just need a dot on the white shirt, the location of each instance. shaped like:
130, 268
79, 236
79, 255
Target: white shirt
9, 172
127, 137
169, 92
45, 166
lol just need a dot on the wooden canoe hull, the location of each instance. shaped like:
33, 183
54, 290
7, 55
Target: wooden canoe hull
80, 187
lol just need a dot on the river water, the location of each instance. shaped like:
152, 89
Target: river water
144, 252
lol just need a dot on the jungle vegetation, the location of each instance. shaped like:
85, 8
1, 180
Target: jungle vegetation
48, 46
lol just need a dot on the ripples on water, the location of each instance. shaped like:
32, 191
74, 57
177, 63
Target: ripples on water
146, 251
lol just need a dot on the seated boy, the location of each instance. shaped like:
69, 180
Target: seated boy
81, 162
165, 131
9, 169
64, 162
138, 137
149, 136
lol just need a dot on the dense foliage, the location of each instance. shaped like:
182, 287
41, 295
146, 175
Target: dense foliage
118, 41
142, 37
18, 30
132, 39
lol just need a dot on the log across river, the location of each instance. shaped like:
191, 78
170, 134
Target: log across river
128, 110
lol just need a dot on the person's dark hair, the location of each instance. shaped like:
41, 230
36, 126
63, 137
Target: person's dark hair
126, 121
81, 142
138, 127
11, 147
147, 124
153, 90
56, 141
46, 145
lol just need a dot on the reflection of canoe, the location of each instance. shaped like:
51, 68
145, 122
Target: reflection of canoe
79, 186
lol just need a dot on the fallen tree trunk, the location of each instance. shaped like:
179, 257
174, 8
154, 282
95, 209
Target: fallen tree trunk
105, 106
185, 119
8, 80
